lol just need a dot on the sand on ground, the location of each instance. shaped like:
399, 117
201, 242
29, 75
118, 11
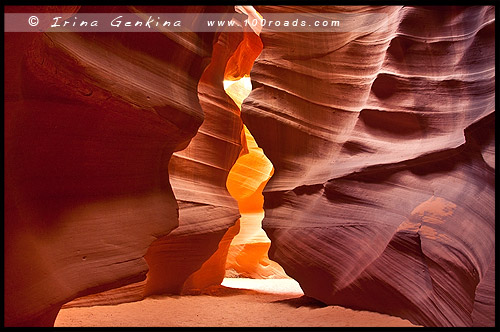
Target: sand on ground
238, 302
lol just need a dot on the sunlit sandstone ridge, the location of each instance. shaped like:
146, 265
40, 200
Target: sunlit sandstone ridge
208, 215
92, 122
87, 142
206, 163
382, 143
247, 256
203, 262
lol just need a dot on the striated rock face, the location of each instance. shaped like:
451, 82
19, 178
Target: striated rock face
383, 147
199, 174
193, 256
128, 166
91, 122
247, 255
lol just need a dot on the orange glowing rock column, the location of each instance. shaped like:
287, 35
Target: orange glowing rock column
247, 256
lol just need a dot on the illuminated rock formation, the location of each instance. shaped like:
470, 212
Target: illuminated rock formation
383, 148
247, 256
91, 122
193, 256
199, 174
382, 143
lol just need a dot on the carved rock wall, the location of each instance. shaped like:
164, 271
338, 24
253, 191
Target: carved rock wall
91, 122
193, 256
382, 143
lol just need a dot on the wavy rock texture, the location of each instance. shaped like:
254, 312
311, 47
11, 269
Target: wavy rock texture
199, 174
383, 148
193, 256
247, 256
382, 145
91, 122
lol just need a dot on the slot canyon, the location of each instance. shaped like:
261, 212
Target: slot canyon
357, 166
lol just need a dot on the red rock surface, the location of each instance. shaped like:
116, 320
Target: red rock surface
208, 214
199, 174
91, 122
382, 143
119, 148
247, 255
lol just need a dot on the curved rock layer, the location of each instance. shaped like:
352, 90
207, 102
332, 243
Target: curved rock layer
247, 256
91, 122
383, 149
193, 256
199, 174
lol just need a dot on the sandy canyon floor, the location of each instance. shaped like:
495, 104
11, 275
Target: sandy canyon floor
238, 302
